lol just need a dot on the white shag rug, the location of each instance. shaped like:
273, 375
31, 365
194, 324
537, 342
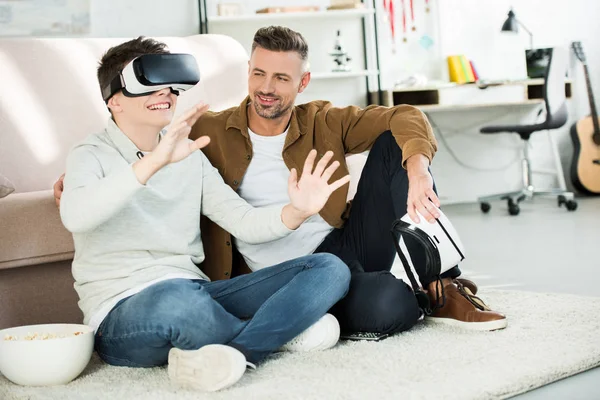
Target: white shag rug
549, 337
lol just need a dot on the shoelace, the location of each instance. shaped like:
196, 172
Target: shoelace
437, 304
476, 301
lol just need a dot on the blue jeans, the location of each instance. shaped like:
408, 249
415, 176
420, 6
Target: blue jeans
255, 313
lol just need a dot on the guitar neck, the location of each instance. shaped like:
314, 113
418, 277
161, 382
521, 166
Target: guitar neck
592, 101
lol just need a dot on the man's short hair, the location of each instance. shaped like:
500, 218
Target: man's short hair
279, 38
117, 57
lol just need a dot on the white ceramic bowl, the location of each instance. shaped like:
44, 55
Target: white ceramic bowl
55, 361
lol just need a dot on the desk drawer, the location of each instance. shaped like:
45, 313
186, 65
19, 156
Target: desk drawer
472, 95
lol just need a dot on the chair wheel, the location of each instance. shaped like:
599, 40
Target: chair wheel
571, 205
513, 208
485, 207
561, 200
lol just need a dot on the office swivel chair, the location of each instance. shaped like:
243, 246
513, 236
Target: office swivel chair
556, 117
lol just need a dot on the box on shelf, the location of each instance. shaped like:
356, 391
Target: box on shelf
229, 9
345, 4
336, 3
271, 10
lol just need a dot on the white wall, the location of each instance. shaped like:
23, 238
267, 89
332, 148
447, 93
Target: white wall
118, 18
471, 27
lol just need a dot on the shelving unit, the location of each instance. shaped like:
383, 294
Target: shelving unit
294, 15
370, 69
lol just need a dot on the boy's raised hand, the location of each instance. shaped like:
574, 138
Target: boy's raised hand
309, 194
174, 146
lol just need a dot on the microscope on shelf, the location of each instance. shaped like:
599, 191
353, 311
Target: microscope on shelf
340, 57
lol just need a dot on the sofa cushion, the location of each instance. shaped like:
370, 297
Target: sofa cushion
6, 186
32, 232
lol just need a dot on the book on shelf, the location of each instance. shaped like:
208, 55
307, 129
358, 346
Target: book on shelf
460, 69
474, 71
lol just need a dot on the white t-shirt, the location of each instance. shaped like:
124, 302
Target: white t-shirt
265, 184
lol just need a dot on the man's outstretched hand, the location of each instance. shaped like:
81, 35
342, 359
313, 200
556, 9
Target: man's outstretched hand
309, 194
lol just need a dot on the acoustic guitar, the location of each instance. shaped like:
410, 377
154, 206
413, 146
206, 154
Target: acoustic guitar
585, 133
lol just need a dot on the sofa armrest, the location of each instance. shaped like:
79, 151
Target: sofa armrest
31, 231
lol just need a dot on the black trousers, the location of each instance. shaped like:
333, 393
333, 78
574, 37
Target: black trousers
377, 301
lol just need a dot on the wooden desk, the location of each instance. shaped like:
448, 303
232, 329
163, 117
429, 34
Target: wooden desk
452, 96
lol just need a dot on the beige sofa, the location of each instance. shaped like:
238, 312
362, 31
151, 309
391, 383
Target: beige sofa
49, 100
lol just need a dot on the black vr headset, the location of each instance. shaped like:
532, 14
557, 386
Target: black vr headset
153, 72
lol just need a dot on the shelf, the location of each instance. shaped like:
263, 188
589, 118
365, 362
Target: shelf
338, 75
294, 15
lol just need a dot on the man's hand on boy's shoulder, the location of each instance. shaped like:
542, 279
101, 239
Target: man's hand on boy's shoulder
58, 189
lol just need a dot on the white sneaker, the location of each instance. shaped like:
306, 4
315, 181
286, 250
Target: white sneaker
210, 368
322, 335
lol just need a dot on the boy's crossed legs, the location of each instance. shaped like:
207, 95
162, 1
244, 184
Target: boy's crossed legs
252, 314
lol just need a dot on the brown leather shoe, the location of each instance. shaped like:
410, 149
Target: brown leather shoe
468, 284
465, 310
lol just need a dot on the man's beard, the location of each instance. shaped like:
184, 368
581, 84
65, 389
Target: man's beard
272, 112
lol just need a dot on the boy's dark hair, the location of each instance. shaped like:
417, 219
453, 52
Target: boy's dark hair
116, 58
279, 38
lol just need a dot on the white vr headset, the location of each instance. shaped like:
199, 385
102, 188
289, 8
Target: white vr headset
153, 72
440, 242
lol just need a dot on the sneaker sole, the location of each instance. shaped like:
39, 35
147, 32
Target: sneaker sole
472, 326
333, 336
210, 368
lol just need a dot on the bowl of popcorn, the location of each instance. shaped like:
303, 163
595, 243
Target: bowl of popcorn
44, 355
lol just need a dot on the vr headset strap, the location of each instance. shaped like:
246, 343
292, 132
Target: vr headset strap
409, 273
400, 228
115, 85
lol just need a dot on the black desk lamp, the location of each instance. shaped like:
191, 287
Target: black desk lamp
512, 25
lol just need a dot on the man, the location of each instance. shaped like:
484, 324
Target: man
254, 146
133, 196
256, 143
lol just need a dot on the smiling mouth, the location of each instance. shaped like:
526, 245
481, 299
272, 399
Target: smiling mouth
160, 106
266, 99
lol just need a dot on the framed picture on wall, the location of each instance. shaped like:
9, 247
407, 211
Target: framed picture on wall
44, 18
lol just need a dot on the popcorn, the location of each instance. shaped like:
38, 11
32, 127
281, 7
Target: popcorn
42, 336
